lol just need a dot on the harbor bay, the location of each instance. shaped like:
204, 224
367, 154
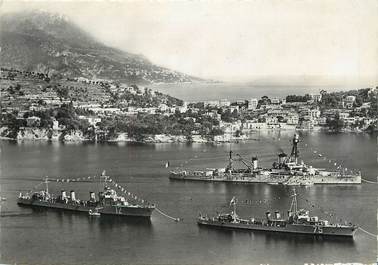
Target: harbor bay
37, 236
188, 132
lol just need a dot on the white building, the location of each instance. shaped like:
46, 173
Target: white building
316, 97
55, 125
252, 103
211, 103
224, 103
250, 125
293, 119
275, 101
271, 120
233, 108
163, 107
91, 120
182, 109
343, 115
322, 120
349, 101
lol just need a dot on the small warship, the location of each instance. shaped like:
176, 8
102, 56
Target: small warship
297, 222
108, 202
287, 170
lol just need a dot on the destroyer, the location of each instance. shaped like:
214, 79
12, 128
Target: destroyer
297, 222
286, 170
109, 202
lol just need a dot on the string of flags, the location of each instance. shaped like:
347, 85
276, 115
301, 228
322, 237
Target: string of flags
82, 179
107, 180
333, 162
311, 204
127, 193
323, 211
258, 202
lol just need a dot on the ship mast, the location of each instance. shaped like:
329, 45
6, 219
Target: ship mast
233, 203
294, 203
105, 178
230, 161
47, 184
235, 209
294, 150
230, 166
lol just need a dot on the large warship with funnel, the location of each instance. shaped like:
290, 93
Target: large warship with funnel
297, 222
287, 170
108, 202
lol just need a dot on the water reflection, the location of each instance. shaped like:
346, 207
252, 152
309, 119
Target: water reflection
73, 238
270, 237
108, 222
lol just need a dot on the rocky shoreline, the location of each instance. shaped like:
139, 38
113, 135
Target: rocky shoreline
77, 136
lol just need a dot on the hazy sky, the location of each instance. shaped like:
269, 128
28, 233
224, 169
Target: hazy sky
237, 40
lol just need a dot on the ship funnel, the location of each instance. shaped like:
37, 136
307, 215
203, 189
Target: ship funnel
92, 196
72, 194
255, 162
277, 215
267, 214
281, 158
63, 194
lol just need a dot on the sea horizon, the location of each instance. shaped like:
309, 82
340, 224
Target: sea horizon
240, 91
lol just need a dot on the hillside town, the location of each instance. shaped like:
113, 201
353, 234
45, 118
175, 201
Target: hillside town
35, 106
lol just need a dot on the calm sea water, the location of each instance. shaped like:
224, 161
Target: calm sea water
234, 91
53, 237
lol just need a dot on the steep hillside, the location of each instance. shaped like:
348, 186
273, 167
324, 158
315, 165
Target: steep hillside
50, 43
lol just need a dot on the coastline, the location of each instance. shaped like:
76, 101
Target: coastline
42, 135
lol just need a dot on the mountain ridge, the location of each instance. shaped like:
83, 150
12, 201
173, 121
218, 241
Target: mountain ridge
51, 43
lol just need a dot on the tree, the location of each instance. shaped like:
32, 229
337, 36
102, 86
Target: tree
280, 118
335, 124
226, 116
295, 98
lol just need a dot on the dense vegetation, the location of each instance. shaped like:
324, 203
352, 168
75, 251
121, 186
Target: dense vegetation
296, 98
151, 124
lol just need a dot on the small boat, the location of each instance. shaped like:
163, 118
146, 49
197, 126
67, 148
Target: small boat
94, 212
273, 183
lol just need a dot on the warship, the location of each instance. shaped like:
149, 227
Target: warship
108, 202
297, 222
287, 170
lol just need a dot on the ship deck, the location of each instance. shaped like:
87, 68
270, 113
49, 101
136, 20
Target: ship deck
283, 179
106, 210
330, 231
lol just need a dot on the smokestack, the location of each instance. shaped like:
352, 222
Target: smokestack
255, 162
63, 194
92, 196
267, 215
281, 158
278, 215
73, 197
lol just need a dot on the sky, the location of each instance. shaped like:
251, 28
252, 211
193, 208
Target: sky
236, 40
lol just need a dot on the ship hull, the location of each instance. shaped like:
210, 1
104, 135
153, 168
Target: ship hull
283, 179
334, 231
106, 210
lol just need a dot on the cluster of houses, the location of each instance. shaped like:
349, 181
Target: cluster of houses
279, 114
94, 98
